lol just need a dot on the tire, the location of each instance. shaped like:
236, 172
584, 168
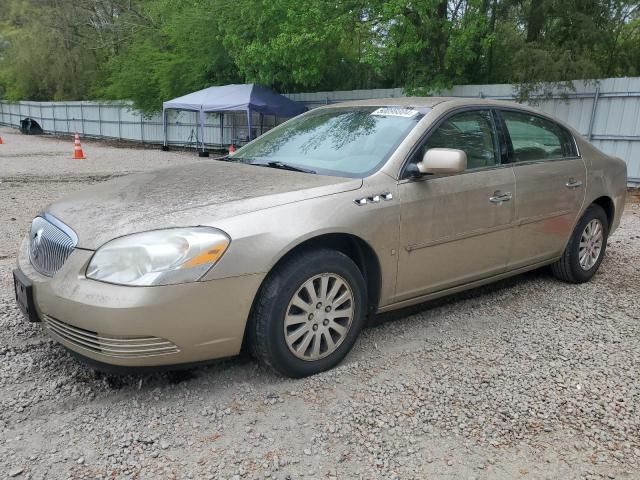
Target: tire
279, 302
569, 268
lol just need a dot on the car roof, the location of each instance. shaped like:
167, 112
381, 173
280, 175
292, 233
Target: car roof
448, 103
429, 102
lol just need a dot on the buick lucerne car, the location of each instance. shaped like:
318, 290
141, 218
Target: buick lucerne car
287, 245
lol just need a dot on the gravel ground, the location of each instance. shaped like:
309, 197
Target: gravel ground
528, 378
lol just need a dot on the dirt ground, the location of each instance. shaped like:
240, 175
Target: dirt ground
528, 378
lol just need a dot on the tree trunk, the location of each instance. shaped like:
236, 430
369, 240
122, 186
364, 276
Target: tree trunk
442, 36
535, 22
492, 30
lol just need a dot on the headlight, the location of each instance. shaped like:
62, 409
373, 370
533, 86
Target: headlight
160, 257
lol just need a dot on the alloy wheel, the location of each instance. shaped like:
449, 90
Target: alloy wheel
319, 316
590, 244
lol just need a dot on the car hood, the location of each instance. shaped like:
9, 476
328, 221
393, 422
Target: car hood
196, 194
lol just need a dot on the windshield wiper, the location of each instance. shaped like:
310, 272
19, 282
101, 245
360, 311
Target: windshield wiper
286, 166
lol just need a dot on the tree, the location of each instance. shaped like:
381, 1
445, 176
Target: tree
293, 45
177, 49
53, 48
151, 50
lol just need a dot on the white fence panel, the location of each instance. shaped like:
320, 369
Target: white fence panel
607, 111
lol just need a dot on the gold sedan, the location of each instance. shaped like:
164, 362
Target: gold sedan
288, 244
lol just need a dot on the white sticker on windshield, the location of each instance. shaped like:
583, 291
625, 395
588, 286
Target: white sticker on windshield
395, 112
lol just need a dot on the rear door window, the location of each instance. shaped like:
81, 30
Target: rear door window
535, 138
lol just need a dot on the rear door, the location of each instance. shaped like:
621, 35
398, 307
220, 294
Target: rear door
550, 185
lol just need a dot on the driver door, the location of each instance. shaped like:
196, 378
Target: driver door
456, 229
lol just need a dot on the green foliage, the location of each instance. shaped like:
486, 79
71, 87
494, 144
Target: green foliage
177, 50
40, 59
152, 50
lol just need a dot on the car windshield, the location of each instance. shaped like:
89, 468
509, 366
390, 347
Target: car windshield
341, 141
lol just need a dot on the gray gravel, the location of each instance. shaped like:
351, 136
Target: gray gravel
528, 378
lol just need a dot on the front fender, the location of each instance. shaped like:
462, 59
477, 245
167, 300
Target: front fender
261, 239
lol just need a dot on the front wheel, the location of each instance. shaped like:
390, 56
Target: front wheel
309, 313
585, 249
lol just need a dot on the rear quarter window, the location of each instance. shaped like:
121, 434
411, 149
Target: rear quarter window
535, 138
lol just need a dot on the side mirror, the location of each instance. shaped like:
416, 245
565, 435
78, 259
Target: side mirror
443, 160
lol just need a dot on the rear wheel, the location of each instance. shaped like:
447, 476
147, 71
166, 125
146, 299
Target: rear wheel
585, 249
308, 314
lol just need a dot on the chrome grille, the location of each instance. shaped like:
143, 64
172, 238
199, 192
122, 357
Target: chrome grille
121, 347
49, 246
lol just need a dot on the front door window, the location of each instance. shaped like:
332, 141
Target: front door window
471, 132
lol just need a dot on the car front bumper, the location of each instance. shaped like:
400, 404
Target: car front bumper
141, 326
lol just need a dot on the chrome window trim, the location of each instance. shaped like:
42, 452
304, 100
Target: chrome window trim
538, 162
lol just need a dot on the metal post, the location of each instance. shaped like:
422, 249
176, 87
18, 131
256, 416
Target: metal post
164, 127
261, 123
141, 128
596, 96
201, 117
197, 130
119, 122
100, 119
202, 130
82, 118
221, 128
165, 142
66, 112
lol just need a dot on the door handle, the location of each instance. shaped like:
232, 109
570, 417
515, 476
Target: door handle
573, 183
500, 197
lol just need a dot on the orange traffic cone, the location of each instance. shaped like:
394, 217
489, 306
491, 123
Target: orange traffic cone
78, 154
232, 148
1, 142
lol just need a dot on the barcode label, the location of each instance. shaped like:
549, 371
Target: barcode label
395, 112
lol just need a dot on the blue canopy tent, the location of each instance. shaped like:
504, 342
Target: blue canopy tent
230, 98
